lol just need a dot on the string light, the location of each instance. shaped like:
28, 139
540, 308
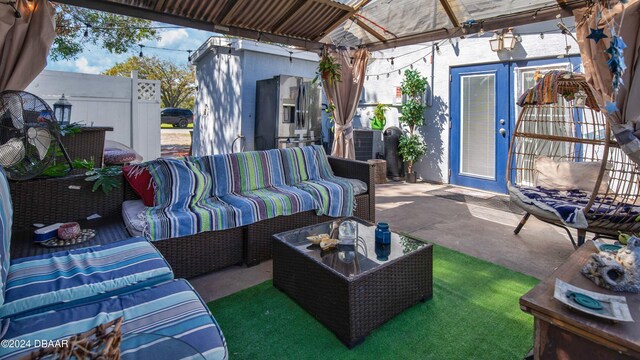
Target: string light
391, 61
290, 57
438, 49
481, 32
141, 54
377, 77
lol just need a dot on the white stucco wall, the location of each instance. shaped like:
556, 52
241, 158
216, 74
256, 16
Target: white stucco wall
472, 50
225, 102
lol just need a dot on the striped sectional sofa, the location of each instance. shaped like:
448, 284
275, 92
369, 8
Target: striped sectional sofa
58, 295
219, 210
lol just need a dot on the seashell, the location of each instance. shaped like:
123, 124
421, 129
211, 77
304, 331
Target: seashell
317, 239
328, 243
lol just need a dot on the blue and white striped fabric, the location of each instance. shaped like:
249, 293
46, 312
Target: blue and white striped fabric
171, 312
300, 164
6, 213
254, 184
62, 278
184, 204
334, 195
257, 205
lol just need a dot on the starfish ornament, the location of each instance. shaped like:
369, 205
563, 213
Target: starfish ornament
597, 35
611, 107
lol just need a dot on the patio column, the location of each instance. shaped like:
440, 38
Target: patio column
345, 95
24, 42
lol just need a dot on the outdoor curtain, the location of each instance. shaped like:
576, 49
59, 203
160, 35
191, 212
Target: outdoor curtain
625, 123
345, 96
24, 42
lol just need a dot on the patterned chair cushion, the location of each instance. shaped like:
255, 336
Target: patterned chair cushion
81, 274
256, 205
183, 203
300, 164
172, 309
6, 213
335, 195
246, 171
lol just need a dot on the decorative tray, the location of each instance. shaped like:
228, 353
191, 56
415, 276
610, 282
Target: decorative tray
604, 306
85, 235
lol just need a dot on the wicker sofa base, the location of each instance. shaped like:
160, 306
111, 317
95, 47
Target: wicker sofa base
202, 253
258, 236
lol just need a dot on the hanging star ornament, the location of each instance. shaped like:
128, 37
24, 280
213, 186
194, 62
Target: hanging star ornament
611, 107
597, 35
616, 61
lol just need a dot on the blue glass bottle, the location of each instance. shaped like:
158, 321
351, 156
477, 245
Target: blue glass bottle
383, 235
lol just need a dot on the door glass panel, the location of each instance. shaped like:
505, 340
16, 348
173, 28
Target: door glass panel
477, 121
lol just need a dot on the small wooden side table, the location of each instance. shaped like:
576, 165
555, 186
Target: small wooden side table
563, 333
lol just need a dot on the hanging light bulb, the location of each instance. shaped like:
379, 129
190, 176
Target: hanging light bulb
377, 77
387, 75
141, 54
424, 59
291, 56
86, 32
367, 77
411, 66
541, 36
481, 32
391, 61
399, 72
437, 49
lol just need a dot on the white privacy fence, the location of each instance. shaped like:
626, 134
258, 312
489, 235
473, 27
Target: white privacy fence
130, 105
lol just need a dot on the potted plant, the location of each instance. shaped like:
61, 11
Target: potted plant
411, 146
379, 120
328, 69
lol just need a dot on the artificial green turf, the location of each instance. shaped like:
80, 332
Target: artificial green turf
474, 314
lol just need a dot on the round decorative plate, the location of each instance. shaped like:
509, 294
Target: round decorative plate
584, 300
85, 235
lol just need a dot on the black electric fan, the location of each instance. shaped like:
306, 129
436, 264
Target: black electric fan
29, 135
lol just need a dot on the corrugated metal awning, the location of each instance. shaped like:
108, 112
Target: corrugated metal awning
308, 24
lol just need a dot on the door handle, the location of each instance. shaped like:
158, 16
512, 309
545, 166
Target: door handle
502, 132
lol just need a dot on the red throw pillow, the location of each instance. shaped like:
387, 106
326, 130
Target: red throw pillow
141, 182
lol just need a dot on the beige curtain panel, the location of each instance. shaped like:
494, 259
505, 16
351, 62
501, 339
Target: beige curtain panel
345, 95
626, 123
24, 42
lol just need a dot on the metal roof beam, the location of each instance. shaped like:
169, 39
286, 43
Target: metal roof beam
490, 24
149, 14
344, 18
452, 16
368, 28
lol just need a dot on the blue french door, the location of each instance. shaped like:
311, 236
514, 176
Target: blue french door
483, 116
480, 126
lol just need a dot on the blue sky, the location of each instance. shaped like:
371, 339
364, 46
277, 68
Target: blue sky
94, 60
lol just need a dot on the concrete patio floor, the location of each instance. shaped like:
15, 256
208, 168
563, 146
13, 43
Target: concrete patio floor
466, 226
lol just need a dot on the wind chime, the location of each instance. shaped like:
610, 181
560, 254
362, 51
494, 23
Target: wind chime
615, 50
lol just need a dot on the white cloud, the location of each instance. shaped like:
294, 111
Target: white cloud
172, 37
82, 64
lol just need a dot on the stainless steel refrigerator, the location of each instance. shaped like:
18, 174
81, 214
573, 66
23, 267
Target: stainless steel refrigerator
288, 112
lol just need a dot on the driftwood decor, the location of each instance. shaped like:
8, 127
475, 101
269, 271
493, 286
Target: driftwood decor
102, 342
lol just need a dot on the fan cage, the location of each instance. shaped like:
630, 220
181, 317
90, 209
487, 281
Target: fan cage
19, 112
566, 132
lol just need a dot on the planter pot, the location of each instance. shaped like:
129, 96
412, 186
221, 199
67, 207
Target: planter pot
412, 177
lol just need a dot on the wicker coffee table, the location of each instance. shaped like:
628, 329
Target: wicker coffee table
352, 290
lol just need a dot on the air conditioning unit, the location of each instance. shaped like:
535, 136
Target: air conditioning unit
367, 143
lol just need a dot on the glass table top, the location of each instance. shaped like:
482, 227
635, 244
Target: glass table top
351, 260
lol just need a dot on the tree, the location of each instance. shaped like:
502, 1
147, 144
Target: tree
177, 83
77, 27
411, 147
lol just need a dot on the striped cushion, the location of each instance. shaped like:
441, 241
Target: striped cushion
172, 313
256, 205
247, 171
6, 212
184, 206
300, 164
334, 197
67, 276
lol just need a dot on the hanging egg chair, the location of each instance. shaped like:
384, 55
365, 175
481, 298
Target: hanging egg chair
565, 167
